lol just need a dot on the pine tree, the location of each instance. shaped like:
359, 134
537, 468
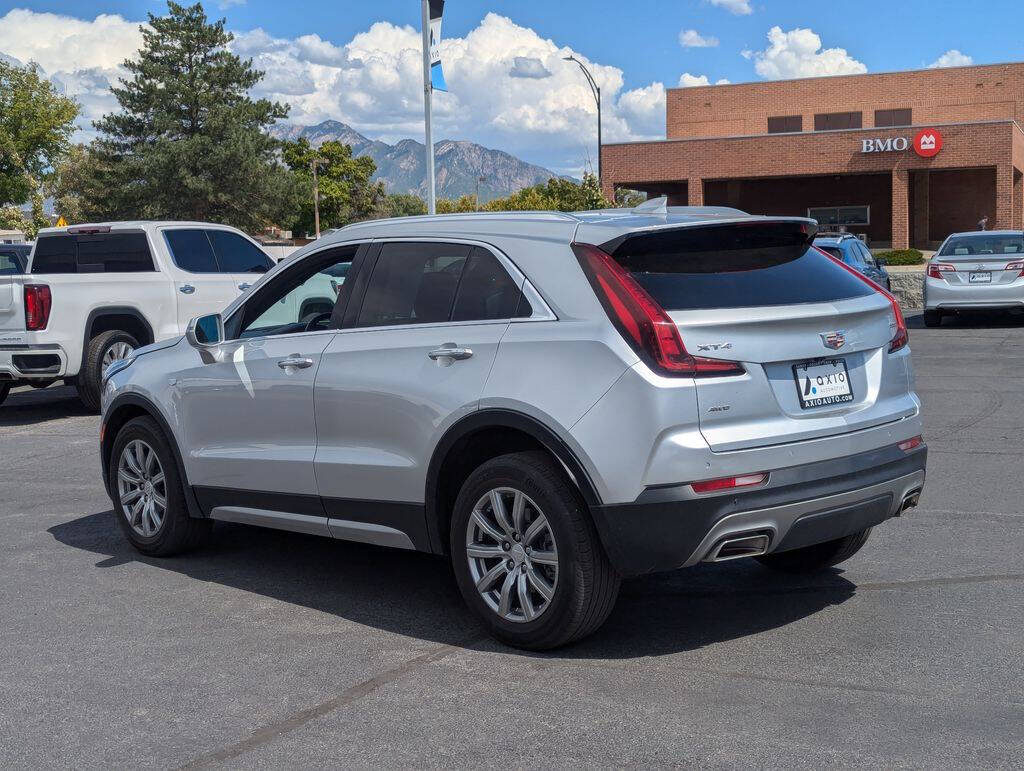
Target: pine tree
188, 141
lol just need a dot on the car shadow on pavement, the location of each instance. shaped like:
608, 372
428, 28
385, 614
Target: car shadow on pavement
31, 406
970, 320
415, 594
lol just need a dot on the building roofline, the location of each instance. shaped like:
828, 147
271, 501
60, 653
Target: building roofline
848, 75
816, 133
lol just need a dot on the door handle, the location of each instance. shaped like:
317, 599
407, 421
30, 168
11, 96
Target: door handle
243, 287
186, 289
450, 351
296, 362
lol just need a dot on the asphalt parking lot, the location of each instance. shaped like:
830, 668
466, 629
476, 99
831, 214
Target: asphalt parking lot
274, 649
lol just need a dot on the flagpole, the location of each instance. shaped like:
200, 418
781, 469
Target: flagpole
427, 93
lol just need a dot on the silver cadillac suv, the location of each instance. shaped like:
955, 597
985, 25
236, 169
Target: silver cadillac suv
553, 401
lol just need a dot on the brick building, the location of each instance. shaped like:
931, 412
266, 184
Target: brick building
853, 150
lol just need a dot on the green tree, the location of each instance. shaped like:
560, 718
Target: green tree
36, 123
346, 190
405, 205
556, 194
188, 142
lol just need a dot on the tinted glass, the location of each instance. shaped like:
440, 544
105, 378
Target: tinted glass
114, 253
836, 121
12, 262
785, 124
885, 118
413, 284
237, 255
55, 254
191, 251
734, 266
486, 291
965, 246
835, 251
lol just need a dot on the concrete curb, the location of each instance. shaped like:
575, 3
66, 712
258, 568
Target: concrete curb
908, 286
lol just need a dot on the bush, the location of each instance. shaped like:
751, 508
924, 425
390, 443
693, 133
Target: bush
901, 257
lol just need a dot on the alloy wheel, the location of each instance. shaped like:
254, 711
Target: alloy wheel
513, 558
142, 488
115, 352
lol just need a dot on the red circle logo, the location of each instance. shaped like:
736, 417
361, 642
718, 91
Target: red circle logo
927, 143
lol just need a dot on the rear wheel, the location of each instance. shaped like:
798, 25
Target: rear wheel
103, 350
812, 559
526, 555
932, 318
149, 500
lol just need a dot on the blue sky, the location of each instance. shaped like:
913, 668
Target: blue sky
336, 59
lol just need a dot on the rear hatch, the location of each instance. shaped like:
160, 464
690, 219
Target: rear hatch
812, 337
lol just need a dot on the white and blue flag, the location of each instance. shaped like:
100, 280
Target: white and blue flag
436, 73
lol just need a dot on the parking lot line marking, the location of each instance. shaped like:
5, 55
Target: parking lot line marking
268, 733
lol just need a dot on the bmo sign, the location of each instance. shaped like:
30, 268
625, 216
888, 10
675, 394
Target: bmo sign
927, 144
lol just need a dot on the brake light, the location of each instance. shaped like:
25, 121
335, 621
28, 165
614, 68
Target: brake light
900, 335
937, 269
729, 483
1019, 266
37, 306
642, 322
911, 444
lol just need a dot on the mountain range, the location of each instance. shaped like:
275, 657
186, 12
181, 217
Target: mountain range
458, 165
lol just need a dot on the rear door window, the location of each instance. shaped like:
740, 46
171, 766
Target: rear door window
733, 266
236, 254
191, 250
487, 291
93, 253
413, 283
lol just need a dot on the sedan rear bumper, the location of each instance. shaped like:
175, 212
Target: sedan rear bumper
939, 293
669, 528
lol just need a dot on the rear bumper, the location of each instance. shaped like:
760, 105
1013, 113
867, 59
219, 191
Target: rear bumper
668, 528
939, 293
32, 362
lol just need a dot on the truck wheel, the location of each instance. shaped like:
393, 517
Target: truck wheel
526, 556
147, 492
103, 350
933, 318
812, 559
5, 388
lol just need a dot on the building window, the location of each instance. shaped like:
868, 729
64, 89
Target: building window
786, 124
887, 118
837, 121
836, 216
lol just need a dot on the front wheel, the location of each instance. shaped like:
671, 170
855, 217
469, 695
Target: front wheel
526, 556
820, 556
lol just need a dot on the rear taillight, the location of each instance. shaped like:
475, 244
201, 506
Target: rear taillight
939, 269
642, 322
37, 306
911, 444
900, 335
729, 483
1018, 266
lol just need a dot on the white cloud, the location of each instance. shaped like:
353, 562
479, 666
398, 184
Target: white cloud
798, 54
225, 4
738, 7
686, 80
373, 82
952, 58
691, 38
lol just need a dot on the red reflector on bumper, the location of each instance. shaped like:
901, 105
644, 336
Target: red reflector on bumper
729, 483
911, 444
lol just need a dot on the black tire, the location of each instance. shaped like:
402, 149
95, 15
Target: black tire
813, 559
5, 388
90, 379
40, 383
932, 318
587, 585
178, 532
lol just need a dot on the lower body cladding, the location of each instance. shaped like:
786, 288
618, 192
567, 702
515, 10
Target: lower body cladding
672, 527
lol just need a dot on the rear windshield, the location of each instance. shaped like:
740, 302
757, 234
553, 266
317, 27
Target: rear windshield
92, 253
734, 266
965, 246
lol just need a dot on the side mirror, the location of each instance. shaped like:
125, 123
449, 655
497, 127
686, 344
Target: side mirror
205, 331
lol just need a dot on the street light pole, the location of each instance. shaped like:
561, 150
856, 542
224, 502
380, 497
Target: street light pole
314, 165
597, 97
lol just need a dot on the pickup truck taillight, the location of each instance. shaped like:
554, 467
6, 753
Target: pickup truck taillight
37, 306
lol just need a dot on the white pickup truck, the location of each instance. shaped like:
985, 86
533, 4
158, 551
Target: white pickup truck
94, 293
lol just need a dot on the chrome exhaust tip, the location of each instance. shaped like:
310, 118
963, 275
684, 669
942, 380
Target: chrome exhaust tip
910, 501
737, 546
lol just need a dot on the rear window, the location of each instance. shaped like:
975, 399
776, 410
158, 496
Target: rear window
733, 266
965, 246
93, 253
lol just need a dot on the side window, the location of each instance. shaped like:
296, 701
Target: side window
114, 253
9, 264
487, 291
299, 300
853, 256
191, 250
413, 283
237, 255
869, 258
56, 254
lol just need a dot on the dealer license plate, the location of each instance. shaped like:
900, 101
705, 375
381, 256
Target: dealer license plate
980, 277
822, 383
